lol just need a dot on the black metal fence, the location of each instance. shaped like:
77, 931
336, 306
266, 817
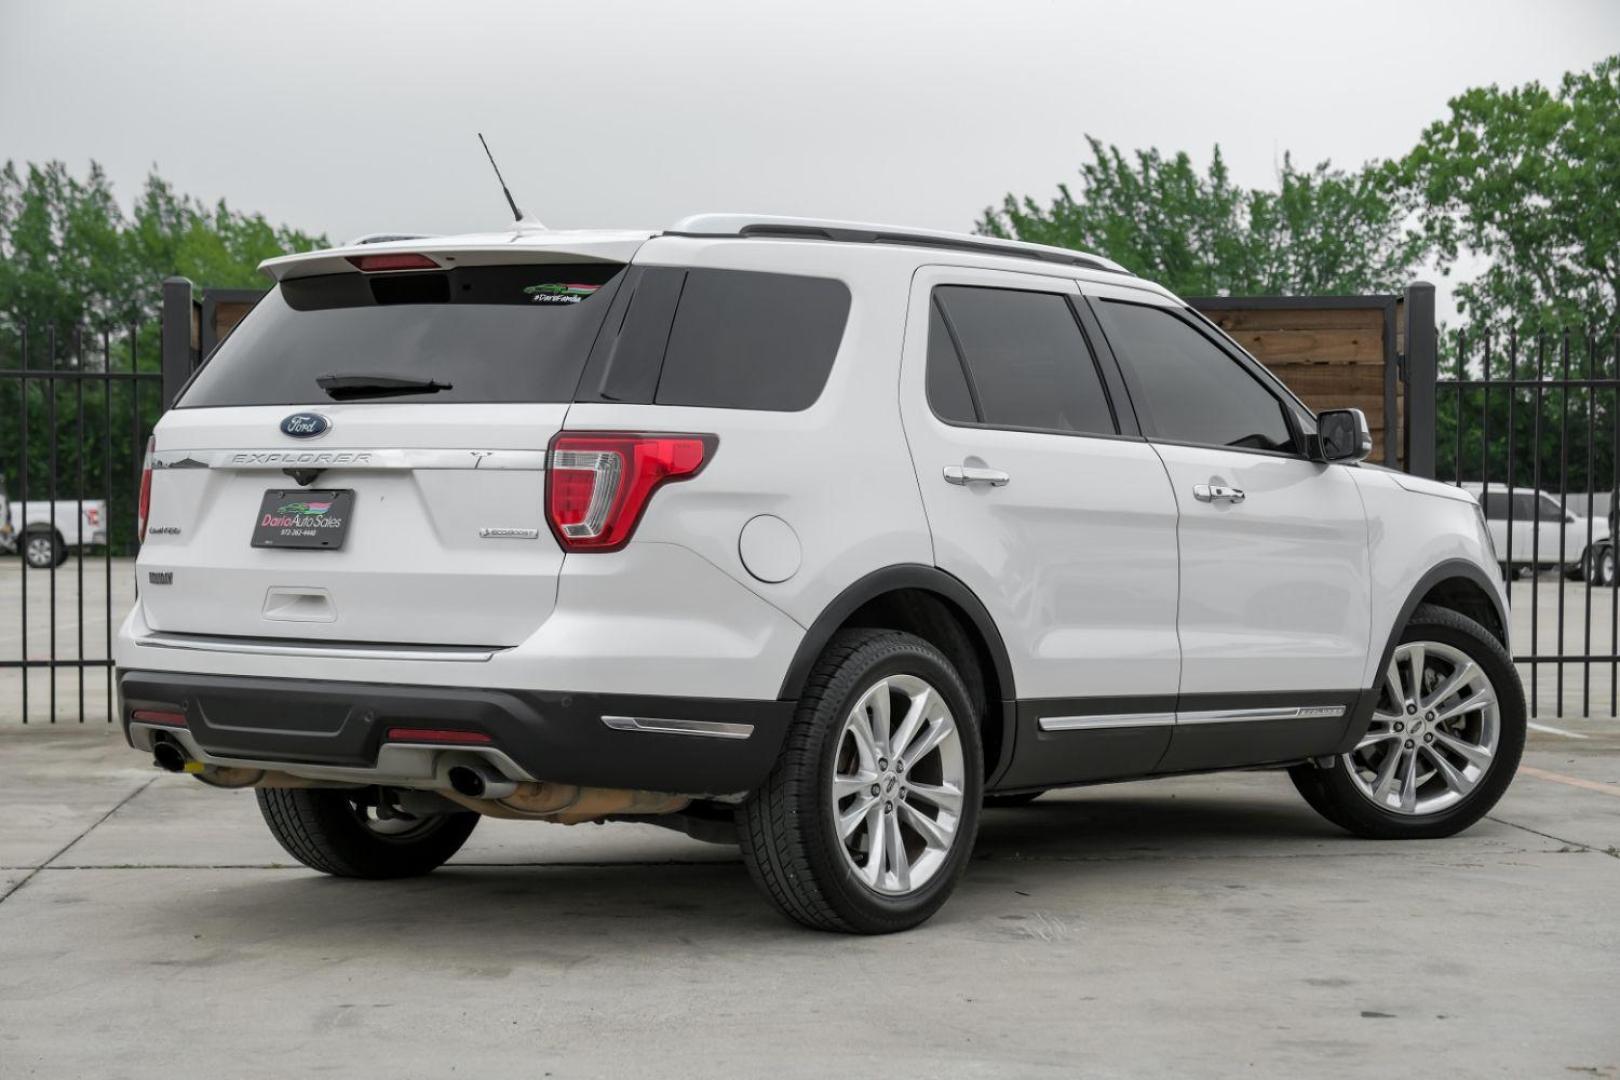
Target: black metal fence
76, 408
1532, 424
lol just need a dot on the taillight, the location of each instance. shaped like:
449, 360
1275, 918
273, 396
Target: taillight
371, 264
93, 516
598, 483
145, 503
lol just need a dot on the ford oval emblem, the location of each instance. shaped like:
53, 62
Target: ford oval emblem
305, 425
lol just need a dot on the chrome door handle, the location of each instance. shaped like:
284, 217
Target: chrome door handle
1217, 493
962, 475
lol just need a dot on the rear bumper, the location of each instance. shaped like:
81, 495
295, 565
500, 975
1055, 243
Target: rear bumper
339, 731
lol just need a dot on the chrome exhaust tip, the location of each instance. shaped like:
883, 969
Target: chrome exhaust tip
479, 782
169, 757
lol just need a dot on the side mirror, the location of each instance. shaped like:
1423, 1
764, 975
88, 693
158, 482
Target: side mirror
1343, 435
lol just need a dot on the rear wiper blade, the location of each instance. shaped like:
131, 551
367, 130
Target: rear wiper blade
351, 387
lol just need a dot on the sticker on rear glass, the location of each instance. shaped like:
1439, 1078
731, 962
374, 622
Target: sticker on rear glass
557, 292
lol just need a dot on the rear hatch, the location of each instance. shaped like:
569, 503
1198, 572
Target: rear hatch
363, 458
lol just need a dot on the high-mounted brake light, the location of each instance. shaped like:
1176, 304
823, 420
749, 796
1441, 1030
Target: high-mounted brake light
599, 483
144, 504
371, 264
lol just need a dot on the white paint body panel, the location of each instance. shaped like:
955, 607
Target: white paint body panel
1075, 557
1275, 589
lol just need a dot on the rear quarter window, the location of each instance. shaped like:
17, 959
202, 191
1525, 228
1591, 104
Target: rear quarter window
747, 340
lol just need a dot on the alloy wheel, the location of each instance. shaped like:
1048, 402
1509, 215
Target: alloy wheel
898, 780
1434, 732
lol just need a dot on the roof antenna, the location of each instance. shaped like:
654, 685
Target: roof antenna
517, 215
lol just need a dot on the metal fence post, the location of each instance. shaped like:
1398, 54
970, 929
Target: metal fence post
178, 356
1422, 362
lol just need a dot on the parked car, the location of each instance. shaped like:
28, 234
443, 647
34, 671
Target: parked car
45, 532
1546, 534
806, 536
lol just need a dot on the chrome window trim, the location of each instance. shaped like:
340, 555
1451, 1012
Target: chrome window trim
712, 729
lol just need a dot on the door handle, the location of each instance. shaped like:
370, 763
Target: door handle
1211, 493
962, 475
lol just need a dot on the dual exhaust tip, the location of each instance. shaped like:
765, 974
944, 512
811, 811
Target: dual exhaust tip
475, 781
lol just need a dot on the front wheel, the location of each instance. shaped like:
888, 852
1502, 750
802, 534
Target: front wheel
1444, 741
356, 833
868, 820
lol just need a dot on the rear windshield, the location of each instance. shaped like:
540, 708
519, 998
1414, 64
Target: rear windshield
474, 334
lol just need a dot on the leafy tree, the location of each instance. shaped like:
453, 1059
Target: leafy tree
1321, 231
1529, 178
85, 280
70, 256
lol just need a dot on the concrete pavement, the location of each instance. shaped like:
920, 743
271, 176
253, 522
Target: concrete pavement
1205, 926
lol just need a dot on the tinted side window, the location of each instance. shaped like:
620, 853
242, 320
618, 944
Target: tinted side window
745, 340
1496, 505
948, 393
1195, 391
1029, 362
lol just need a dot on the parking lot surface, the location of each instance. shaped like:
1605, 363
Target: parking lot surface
1209, 926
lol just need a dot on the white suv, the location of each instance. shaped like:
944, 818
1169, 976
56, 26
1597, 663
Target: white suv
808, 536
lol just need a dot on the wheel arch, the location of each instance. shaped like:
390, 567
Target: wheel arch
1459, 586
928, 602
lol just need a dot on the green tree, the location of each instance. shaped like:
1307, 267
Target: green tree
1321, 231
82, 279
1529, 178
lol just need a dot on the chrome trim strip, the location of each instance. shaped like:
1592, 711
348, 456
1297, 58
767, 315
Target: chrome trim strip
1244, 716
1111, 721
712, 729
1106, 721
304, 648
277, 459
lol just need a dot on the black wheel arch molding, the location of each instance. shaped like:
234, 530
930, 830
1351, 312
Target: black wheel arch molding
891, 579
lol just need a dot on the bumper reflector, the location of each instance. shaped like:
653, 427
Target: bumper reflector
156, 716
436, 735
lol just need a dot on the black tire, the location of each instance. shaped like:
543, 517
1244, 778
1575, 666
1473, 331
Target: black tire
325, 830
1004, 802
1334, 794
43, 550
786, 828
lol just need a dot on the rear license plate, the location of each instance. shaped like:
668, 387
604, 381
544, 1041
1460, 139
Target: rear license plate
300, 518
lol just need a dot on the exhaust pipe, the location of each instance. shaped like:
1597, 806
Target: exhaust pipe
480, 782
169, 757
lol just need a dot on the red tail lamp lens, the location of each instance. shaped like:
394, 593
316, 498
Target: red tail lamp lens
437, 735
599, 483
402, 261
144, 504
158, 716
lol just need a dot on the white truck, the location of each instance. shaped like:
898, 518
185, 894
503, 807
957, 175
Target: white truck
45, 531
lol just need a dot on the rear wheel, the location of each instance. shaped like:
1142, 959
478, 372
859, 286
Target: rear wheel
868, 820
43, 550
1444, 741
356, 833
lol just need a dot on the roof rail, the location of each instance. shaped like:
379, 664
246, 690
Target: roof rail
748, 226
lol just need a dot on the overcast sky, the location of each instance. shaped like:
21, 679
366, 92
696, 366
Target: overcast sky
346, 117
